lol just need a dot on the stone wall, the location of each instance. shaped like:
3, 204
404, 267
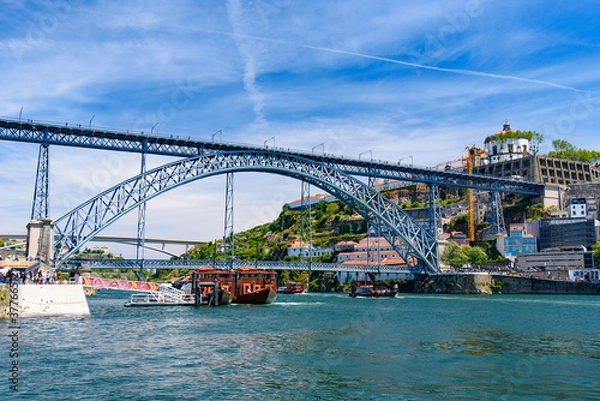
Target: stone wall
526, 285
3, 300
454, 284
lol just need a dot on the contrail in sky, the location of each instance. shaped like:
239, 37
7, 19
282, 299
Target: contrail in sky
394, 61
450, 70
250, 73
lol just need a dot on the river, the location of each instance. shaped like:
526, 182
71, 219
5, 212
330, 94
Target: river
316, 347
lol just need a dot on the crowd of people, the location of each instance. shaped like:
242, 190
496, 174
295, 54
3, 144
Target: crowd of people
28, 277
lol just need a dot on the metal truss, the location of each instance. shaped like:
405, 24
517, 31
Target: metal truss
412, 242
228, 233
174, 146
40, 207
494, 217
434, 213
226, 265
305, 219
141, 233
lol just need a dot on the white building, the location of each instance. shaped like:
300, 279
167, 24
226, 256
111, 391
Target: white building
506, 145
577, 207
295, 249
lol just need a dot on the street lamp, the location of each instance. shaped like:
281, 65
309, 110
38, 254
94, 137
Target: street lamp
220, 133
406, 157
270, 139
366, 151
322, 145
154, 126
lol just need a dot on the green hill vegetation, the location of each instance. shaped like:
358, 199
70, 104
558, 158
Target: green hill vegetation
565, 150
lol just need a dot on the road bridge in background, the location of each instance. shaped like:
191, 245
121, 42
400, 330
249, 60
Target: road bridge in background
234, 264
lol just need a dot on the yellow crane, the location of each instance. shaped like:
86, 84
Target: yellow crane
468, 161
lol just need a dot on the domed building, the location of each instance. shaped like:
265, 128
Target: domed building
507, 145
509, 156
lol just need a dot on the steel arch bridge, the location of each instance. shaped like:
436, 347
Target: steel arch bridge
412, 241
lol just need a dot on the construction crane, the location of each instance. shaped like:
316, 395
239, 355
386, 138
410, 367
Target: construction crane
467, 161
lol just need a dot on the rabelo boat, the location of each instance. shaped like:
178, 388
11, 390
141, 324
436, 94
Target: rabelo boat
254, 286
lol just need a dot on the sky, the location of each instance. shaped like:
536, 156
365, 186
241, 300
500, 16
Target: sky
405, 81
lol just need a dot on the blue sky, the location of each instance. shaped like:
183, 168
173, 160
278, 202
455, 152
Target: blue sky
399, 78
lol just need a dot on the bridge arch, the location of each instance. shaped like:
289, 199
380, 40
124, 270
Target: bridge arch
409, 239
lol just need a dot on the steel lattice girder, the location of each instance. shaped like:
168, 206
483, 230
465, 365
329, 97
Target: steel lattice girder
40, 208
411, 240
228, 264
157, 145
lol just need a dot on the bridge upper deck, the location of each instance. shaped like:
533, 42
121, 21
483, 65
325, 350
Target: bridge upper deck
87, 137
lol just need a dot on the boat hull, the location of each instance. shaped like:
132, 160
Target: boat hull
263, 296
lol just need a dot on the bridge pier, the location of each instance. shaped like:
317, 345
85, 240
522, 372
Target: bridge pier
39, 240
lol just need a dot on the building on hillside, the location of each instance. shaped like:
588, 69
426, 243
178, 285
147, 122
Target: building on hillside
345, 246
544, 169
373, 250
506, 145
589, 275
509, 155
577, 207
294, 248
566, 232
590, 191
518, 242
555, 259
459, 238
313, 200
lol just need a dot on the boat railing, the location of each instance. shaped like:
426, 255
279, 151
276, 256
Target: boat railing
165, 295
170, 291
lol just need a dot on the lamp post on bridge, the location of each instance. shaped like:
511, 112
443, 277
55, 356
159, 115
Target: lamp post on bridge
406, 157
220, 133
366, 151
322, 145
154, 126
270, 139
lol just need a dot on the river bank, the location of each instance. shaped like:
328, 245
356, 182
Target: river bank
484, 283
3, 300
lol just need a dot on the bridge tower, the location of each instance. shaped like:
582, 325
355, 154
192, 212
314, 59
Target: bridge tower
494, 217
434, 214
228, 238
141, 227
305, 219
141, 235
39, 229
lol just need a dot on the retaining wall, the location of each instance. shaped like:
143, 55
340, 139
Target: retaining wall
52, 300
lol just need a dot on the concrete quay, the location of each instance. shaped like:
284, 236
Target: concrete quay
485, 283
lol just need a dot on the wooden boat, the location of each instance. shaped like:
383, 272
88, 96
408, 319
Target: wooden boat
368, 289
292, 288
204, 281
254, 286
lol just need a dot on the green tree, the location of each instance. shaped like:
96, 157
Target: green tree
535, 212
454, 256
565, 150
596, 250
476, 255
536, 140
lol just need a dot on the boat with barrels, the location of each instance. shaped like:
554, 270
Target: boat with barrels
205, 280
254, 286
